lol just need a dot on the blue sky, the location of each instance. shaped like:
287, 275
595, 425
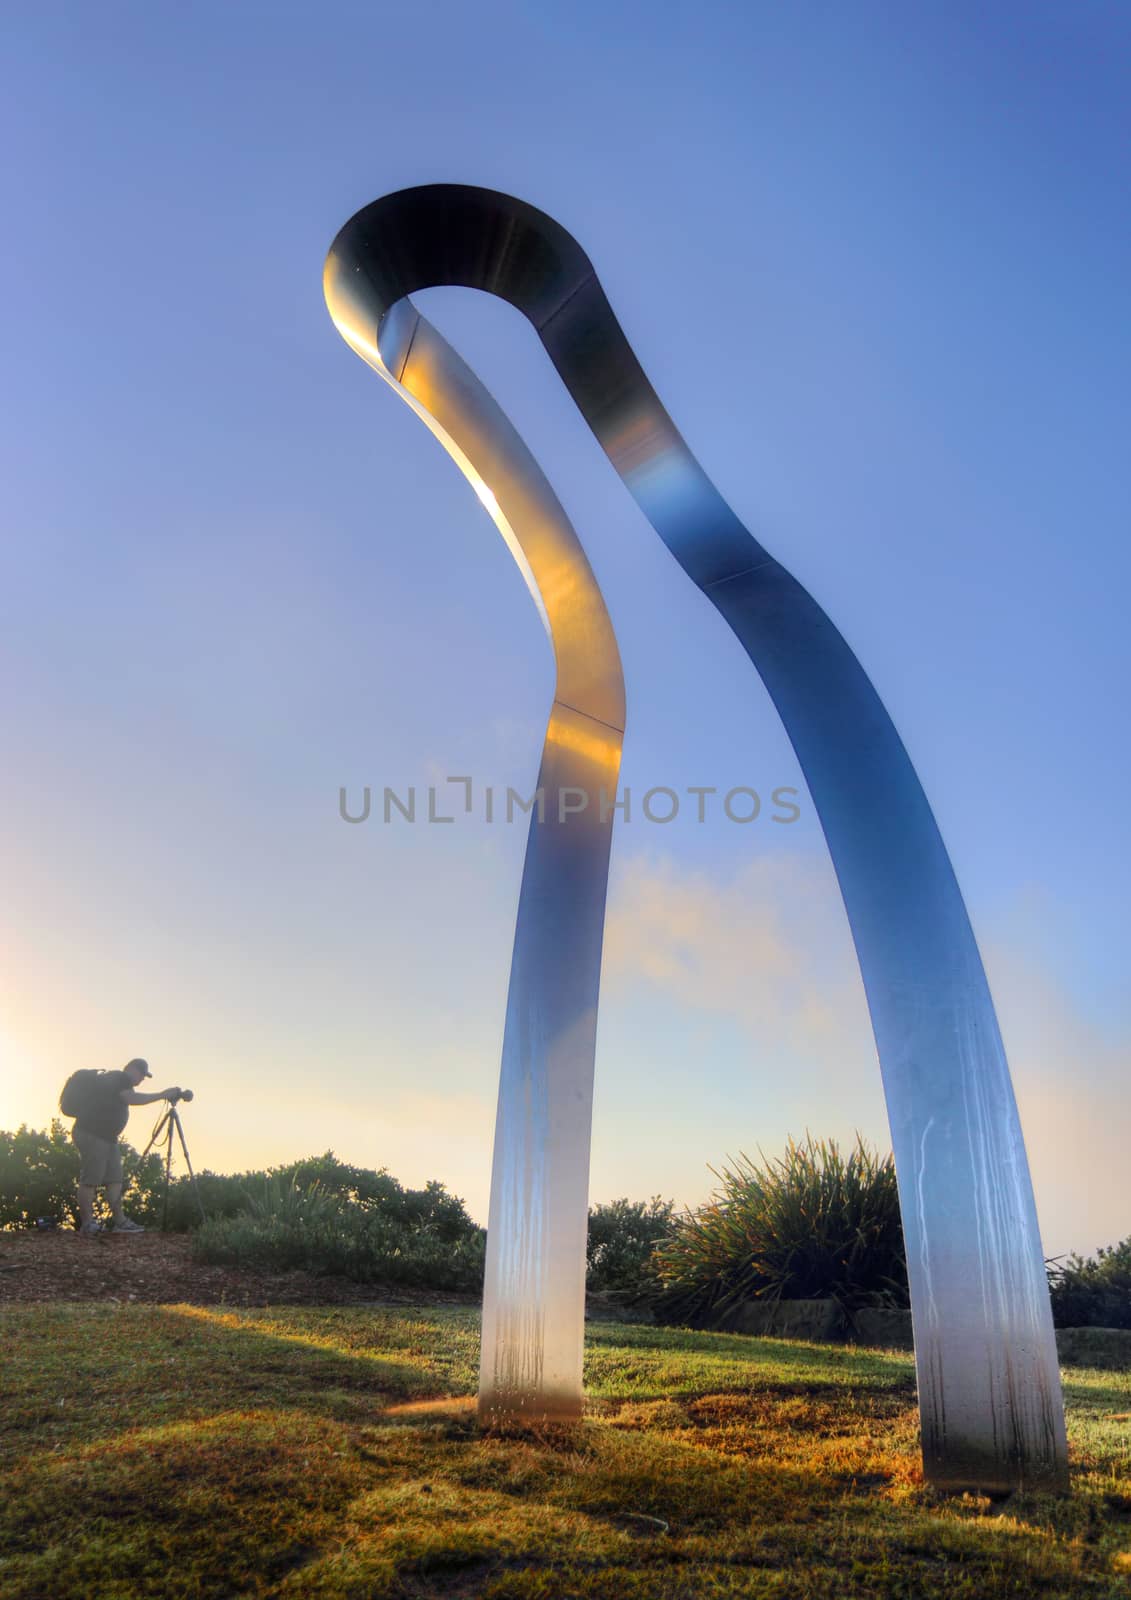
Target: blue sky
874, 260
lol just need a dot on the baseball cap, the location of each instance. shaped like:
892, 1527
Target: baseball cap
138, 1062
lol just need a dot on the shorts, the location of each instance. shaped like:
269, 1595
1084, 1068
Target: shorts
101, 1158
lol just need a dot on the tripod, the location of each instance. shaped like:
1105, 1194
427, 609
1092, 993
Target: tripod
169, 1123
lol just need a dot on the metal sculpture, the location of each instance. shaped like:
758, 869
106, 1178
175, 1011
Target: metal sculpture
989, 1388
534, 1291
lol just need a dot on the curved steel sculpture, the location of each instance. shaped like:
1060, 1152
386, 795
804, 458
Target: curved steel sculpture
989, 1388
534, 1291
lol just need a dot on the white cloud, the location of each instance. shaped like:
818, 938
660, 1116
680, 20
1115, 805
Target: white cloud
746, 947
770, 948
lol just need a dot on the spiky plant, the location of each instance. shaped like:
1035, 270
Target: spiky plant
811, 1224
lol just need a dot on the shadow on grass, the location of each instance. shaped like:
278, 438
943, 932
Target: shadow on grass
670, 1362
1093, 1390
80, 1373
211, 1454
793, 1353
288, 1503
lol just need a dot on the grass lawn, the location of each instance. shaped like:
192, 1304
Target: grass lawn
179, 1451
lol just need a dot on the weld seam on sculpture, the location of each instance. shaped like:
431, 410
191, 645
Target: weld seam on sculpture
989, 1387
540, 327
598, 720
757, 566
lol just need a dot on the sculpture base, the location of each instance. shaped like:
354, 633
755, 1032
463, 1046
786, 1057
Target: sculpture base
968, 1470
533, 1411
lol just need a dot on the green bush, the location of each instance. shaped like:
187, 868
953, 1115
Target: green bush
218, 1194
39, 1174
1093, 1292
372, 1231
622, 1238
377, 1192
809, 1225
368, 1225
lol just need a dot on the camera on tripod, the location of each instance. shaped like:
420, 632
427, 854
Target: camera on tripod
168, 1125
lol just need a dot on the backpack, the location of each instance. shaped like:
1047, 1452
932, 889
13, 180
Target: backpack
80, 1094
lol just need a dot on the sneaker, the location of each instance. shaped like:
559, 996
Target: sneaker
89, 1230
126, 1225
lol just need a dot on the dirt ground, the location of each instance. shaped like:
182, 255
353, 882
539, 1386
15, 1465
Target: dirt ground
158, 1269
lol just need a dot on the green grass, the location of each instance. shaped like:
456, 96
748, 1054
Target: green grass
188, 1452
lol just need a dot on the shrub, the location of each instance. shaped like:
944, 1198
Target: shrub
621, 1241
1093, 1293
220, 1195
363, 1222
372, 1232
39, 1174
811, 1224
377, 1192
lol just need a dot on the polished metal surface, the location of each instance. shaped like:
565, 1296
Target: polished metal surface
989, 1387
534, 1293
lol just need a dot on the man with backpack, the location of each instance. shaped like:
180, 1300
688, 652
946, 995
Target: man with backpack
100, 1104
